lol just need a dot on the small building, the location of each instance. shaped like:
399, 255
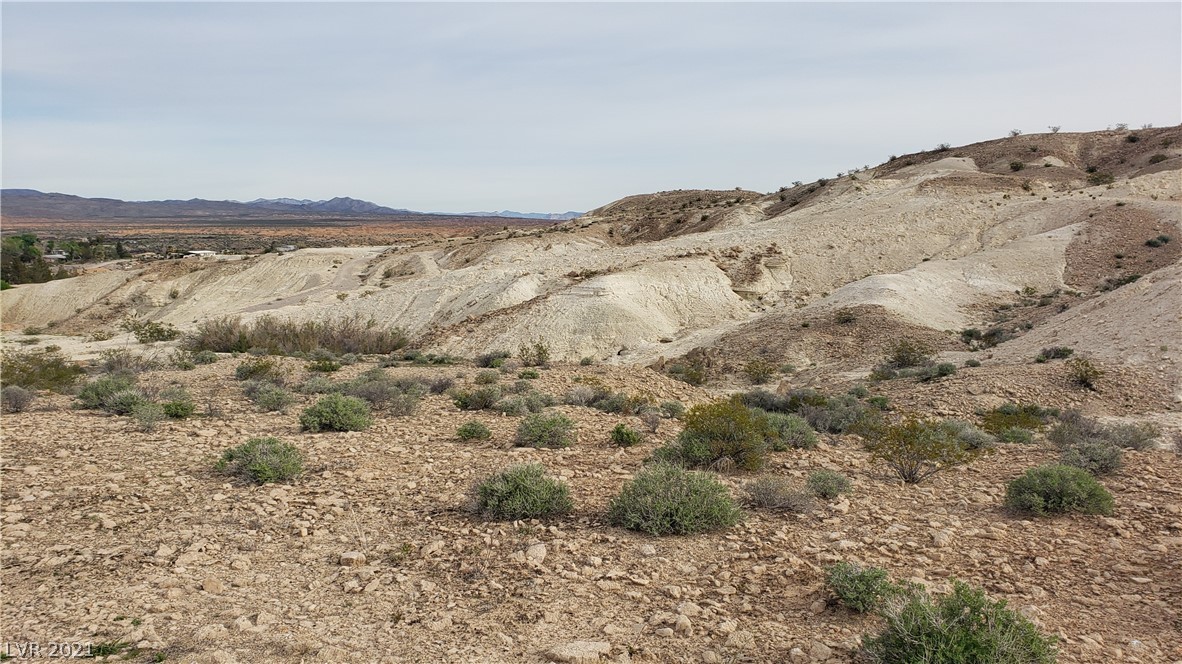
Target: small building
201, 253
55, 256
286, 248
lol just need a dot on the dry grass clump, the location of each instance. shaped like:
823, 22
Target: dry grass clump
350, 334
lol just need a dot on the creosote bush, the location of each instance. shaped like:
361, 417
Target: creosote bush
790, 432
723, 435
268, 396
522, 492
95, 394
860, 588
625, 436
473, 430
261, 368
665, 499
1016, 416
480, 398
916, 448
149, 331
1098, 457
147, 415
1057, 489
39, 370
827, 484
964, 627
486, 377
545, 430
283, 337
263, 460
336, 412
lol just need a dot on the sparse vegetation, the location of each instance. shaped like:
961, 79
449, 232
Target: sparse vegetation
790, 432
473, 430
916, 449
1098, 457
45, 369
552, 430
269, 396
522, 492
150, 331
96, 394
16, 399
1054, 353
759, 371
827, 484
625, 436
860, 588
777, 493
722, 435
263, 460
665, 499
336, 412
261, 368
283, 337
964, 627
481, 398
1083, 372
534, 354
1057, 490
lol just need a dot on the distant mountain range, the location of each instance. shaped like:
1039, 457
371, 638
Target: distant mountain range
30, 203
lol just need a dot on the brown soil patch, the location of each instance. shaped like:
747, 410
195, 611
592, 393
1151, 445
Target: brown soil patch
1112, 246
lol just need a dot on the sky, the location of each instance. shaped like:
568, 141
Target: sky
547, 107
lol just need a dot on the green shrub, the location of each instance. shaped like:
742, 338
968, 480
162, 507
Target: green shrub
95, 394
759, 371
147, 414
481, 398
270, 397
323, 365
182, 359
1054, 353
123, 402
790, 432
665, 499
1016, 435
972, 363
1098, 457
906, 353
1157, 158
723, 434
860, 588
827, 484
534, 354
336, 412
776, 493
1017, 165
833, 414
1138, 436
528, 374
403, 405
486, 377
625, 436
964, 627
968, 435
1074, 428
672, 409
351, 334
1057, 490
491, 360
39, 370
16, 399
522, 492
879, 402
1096, 179
916, 448
586, 361
260, 368
941, 370
122, 360
545, 430
473, 430
263, 460
177, 403
149, 331
1011, 416
205, 357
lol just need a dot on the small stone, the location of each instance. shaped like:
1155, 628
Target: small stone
683, 625
798, 656
209, 633
664, 632
241, 624
579, 652
741, 639
818, 607
213, 586
353, 559
164, 551
648, 550
535, 554
689, 609
819, 652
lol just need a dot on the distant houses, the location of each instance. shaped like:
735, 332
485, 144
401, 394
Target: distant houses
201, 253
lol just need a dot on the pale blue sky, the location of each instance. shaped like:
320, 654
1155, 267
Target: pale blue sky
548, 107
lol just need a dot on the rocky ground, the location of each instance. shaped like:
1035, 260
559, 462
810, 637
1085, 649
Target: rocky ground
111, 534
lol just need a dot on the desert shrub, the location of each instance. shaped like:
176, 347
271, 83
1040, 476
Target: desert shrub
665, 499
1098, 457
1157, 158
123, 402
579, 396
39, 370
860, 588
906, 353
586, 361
759, 371
16, 399
651, 419
777, 493
1139, 436
261, 368
122, 360
916, 449
378, 393
182, 359
336, 412
835, 414
845, 317
545, 430
1054, 353
672, 409
941, 370
625, 436
693, 372
764, 400
964, 627
528, 374
263, 460
149, 331
481, 398
1016, 416
473, 430
522, 492
514, 405
318, 385
880, 402
351, 334
1058, 489
1096, 179
439, 385
859, 392
95, 394
147, 415
790, 432
968, 435
177, 403
723, 434
323, 365
534, 354
269, 396
404, 404
972, 363
827, 484
491, 360
1015, 435
205, 357
486, 377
